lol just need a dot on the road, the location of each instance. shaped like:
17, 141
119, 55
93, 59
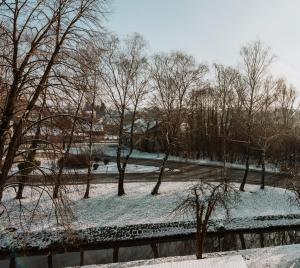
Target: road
179, 171
176, 171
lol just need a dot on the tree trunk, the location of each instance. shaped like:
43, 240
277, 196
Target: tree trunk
246, 170
224, 163
56, 188
58, 177
263, 169
161, 174
242, 239
88, 183
200, 242
12, 261
49, 260
81, 257
262, 240
29, 162
20, 188
121, 190
1, 191
10, 156
87, 189
116, 254
155, 250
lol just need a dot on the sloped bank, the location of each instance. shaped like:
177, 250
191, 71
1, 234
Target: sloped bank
48, 240
107, 218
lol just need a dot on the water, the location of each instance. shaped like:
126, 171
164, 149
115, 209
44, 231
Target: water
129, 251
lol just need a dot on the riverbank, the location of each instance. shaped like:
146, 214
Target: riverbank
104, 217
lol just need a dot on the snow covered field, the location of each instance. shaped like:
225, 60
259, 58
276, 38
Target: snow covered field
271, 257
256, 208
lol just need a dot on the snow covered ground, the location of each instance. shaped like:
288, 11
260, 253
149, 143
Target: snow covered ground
49, 167
256, 208
236, 261
111, 151
271, 257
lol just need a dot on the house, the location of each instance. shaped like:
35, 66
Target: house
147, 135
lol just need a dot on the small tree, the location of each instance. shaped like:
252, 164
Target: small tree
203, 199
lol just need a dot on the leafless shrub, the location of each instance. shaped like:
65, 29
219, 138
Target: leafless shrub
37, 210
202, 201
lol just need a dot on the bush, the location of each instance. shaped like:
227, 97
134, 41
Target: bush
74, 161
105, 161
95, 166
97, 159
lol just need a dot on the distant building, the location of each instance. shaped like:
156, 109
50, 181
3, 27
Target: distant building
147, 136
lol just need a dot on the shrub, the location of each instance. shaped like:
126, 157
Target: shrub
105, 161
74, 161
95, 166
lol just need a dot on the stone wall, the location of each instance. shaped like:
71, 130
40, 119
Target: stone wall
47, 239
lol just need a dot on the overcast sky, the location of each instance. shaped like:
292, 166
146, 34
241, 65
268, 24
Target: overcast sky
214, 30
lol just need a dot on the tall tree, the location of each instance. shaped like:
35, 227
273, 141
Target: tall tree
266, 131
29, 164
91, 76
174, 77
256, 60
40, 34
225, 85
125, 78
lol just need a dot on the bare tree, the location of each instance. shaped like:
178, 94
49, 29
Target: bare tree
30, 163
41, 33
287, 120
256, 60
174, 77
202, 201
125, 77
267, 132
91, 76
225, 85
76, 120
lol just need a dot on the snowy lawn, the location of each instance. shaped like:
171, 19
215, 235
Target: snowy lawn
49, 167
255, 208
271, 257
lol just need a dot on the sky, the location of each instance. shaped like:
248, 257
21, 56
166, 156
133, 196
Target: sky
213, 31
